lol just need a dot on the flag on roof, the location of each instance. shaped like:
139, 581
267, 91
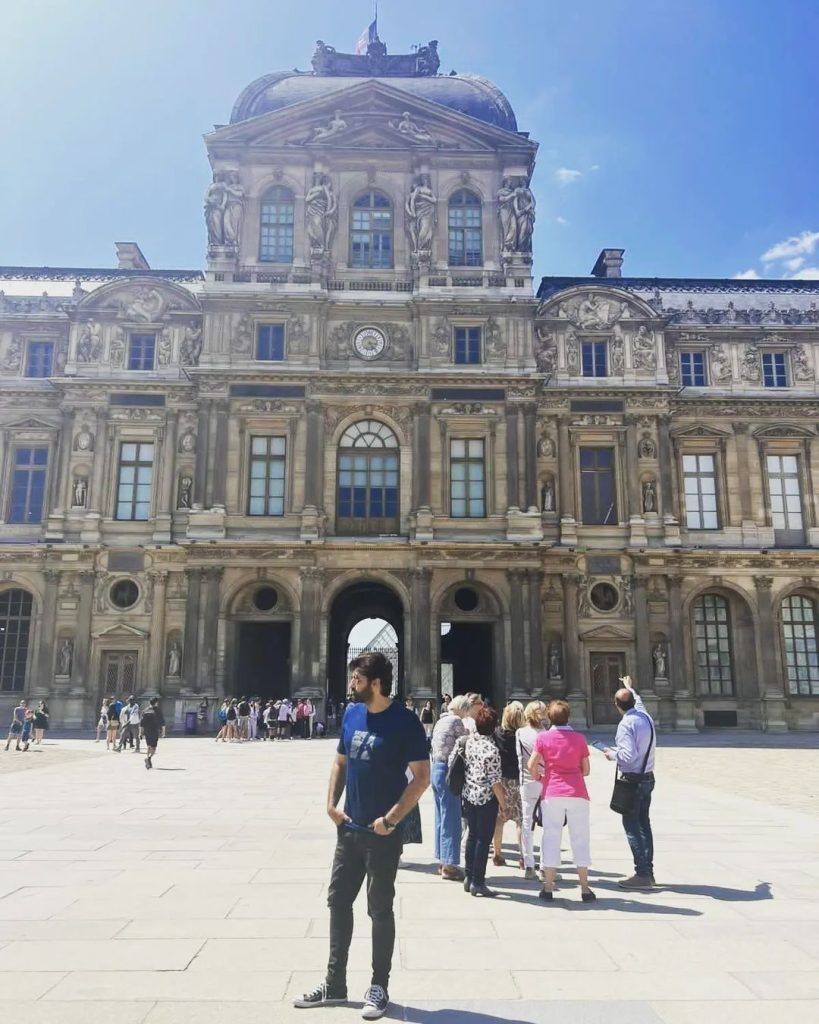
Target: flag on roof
369, 35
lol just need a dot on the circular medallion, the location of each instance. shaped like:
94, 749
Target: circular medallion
369, 342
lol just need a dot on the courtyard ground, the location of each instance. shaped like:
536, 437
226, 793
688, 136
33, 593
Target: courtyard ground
196, 893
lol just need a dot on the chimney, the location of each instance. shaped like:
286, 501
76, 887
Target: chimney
609, 263
129, 257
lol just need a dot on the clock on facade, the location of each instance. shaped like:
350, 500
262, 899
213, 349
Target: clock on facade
369, 342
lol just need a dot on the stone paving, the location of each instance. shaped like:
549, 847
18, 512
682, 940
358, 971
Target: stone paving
196, 892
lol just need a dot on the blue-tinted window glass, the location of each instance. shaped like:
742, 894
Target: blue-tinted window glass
267, 476
28, 485
141, 351
371, 231
39, 359
593, 355
135, 481
692, 369
270, 342
368, 486
774, 370
467, 345
467, 479
465, 229
597, 487
276, 227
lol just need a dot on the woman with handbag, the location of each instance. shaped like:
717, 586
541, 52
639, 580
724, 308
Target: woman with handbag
561, 761
448, 730
483, 797
525, 738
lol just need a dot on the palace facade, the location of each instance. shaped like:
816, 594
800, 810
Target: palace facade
362, 408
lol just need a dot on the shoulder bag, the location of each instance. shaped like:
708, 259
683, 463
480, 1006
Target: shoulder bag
456, 772
624, 794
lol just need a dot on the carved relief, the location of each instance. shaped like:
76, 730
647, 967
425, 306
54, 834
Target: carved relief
13, 357
617, 354
441, 337
84, 439
269, 405
187, 443
116, 351
164, 347
298, 340
572, 354
546, 352
646, 449
242, 339
545, 446
592, 312
802, 370
495, 341
89, 347
410, 129
191, 347
643, 353
749, 367
720, 365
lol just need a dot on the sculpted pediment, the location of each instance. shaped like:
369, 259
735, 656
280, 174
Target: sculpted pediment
140, 299
122, 630
368, 115
783, 430
607, 633
594, 309
700, 430
30, 424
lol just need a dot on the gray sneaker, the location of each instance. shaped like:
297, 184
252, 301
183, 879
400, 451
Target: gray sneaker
531, 875
639, 883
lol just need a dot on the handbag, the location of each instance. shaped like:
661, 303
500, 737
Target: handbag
624, 795
456, 772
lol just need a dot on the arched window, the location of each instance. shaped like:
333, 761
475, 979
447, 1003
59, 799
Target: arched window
276, 226
465, 213
371, 231
367, 479
712, 646
15, 626
799, 641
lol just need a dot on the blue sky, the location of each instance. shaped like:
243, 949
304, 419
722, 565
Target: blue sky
683, 131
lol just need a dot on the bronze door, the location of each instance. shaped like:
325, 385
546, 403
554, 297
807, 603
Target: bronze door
605, 671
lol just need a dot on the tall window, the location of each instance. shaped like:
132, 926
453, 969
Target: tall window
467, 345
28, 485
270, 342
465, 216
700, 489
712, 641
799, 641
467, 479
368, 479
39, 358
15, 625
141, 349
774, 370
598, 494
692, 369
267, 462
785, 496
276, 227
371, 231
593, 356
136, 474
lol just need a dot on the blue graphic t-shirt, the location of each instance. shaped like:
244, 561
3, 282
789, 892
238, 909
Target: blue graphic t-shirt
378, 748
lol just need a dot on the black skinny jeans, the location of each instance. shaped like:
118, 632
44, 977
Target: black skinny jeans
361, 855
480, 820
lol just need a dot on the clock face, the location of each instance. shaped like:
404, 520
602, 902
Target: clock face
369, 343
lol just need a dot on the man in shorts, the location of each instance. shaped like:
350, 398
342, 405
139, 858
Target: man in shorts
18, 717
152, 727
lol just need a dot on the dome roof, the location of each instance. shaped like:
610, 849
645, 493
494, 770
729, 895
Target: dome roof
467, 94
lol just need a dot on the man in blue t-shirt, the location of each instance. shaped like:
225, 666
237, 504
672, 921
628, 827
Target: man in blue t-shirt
379, 741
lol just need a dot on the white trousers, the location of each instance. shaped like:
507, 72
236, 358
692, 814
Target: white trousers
529, 793
576, 812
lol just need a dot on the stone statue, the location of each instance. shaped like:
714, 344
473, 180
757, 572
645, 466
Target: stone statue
234, 208
117, 350
89, 346
507, 215
65, 656
802, 370
555, 668
516, 209
185, 489
408, 127
174, 659
337, 124
525, 213
720, 365
224, 208
546, 352
13, 358
649, 497
84, 441
643, 355
164, 347
214, 210
191, 348
658, 654
545, 446
322, 208
420, 211
187, 442
627, 594
146, 304
646, 448
80, 491
547, 496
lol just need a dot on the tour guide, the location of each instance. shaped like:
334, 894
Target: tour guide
379, 740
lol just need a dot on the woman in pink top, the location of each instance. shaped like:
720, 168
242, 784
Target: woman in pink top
560, 762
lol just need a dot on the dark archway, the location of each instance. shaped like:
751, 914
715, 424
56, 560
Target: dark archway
367, 599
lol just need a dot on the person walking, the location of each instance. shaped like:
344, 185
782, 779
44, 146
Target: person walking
560, 761
483, 796
243, 719
28, 726
506, 740
380, 740
151, 728
102, 722
448, 730
633, 752
526, 736
18, 716
282, 718
428, 718
114, 709
40, 722
124, 726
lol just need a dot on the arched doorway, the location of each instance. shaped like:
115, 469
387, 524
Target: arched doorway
262, 642
471, 655
368, 599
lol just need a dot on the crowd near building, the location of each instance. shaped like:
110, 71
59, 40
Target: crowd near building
364, 407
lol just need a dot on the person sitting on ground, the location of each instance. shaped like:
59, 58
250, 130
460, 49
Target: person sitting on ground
533, 713
561, 762
506, 740
482, 796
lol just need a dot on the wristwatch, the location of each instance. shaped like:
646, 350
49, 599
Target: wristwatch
387, 823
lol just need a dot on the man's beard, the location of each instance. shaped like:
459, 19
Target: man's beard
363, 696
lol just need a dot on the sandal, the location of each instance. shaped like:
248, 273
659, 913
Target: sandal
499, 861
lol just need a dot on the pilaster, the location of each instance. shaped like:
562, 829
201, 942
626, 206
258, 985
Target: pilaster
571, 639
190, 653
421, 683
770, 682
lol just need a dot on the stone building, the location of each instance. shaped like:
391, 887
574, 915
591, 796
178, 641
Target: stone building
361, 408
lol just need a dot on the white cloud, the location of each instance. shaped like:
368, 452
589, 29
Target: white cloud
567, 176
793, 264
747, 275
807, 274
802, 244
561, 221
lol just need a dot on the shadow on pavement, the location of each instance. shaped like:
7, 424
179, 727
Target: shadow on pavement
762, 891
415, 1015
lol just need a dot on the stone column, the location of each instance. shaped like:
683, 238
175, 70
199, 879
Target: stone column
44, 677
743, 470
565, 468
96, 497
518, 652
682, 691
512, 472
314, 462
645, 664
530, 455
190, 653
771, 686
167, 495
61, 497
571, 641
633, 490
666, 459
220, 454
422, 456
206, 682
201, 466
420, 680
82, 640
537, 675
309, 675
156, 658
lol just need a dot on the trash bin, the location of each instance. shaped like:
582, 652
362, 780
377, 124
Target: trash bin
190, 723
